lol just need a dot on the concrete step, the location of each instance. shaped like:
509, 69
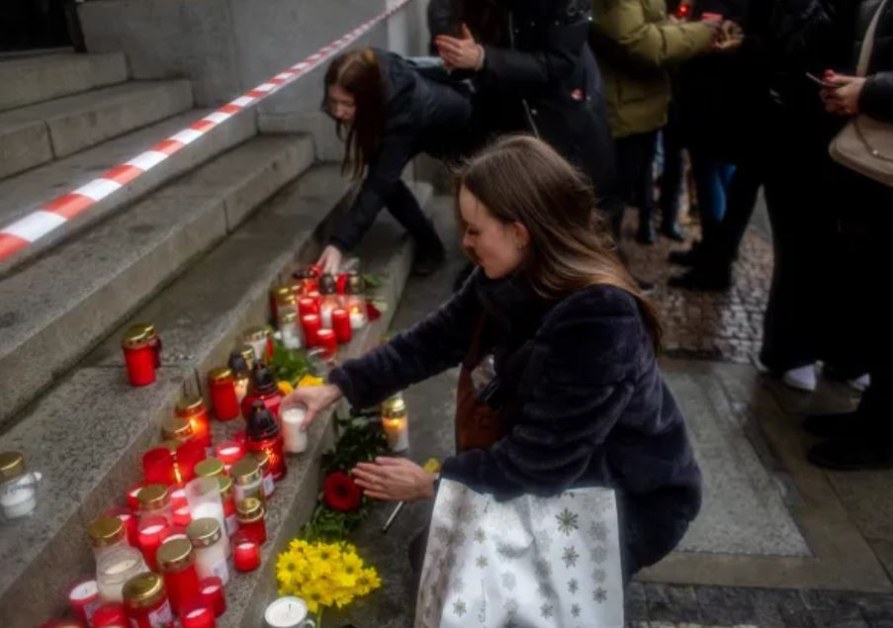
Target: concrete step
30, 190
225, 292
59, 307
32, 135
34, 79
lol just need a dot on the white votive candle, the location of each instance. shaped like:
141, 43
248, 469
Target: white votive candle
325, 314
295, 439
397, 432
287, 612
357, 320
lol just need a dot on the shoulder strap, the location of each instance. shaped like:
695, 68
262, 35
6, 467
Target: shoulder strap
868, 42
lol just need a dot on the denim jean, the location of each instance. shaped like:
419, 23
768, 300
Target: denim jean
712, 179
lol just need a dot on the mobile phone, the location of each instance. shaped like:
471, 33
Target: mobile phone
812, 77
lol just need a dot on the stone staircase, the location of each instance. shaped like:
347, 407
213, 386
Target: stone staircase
193, 246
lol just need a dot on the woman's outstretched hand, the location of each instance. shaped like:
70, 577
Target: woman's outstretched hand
314, 398
394, 479
330, 260
460, 53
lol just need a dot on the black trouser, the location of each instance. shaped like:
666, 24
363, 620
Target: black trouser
401, 203
635, 156
673, 175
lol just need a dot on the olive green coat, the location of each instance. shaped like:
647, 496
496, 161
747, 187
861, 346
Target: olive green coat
635, 43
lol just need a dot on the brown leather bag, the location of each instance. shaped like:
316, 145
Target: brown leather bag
478, 426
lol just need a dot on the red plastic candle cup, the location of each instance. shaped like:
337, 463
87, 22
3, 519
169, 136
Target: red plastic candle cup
83, 599
150, 532
158, 466
246, 553
327, 340
173, 532
229, 452
211, 591
109, 615
341, 324
197, 614
240, 437
308, 305
132, 502
188, 455
311, 324
139, 356
130, 523
224, 399
193, 410
182, 517
341, 283
178, 498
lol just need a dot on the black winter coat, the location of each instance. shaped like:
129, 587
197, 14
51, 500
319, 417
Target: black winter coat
579, 392
421, 115
876, 99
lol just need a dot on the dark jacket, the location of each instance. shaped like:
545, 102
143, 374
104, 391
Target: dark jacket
876, 99
421, 115
539, 77
580, 395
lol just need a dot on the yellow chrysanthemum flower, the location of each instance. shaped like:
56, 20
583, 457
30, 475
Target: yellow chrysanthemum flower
285, 386
311, 380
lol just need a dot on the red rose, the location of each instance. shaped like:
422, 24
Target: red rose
372, 312
341, 493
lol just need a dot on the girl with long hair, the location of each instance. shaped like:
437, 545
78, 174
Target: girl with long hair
566, 389
388, 113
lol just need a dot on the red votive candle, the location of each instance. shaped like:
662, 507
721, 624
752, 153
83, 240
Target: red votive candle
224, 400
241, 437
193, 410
311, 324
178, 498
197, 614
251, 516
130, 523
83, 599
158, 466
327, 340
308, 305
176, 561
139, 356
182, 517
212, 594
246, 553
341, 324
131, 496
341, 283
173, 532
229, 452
150, 531
188, 455
109, 615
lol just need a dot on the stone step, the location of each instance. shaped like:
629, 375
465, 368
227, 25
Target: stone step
34, 79
30, 190
36, 134
55, 310
96, 464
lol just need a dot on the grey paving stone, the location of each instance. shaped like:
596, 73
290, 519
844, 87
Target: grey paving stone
636, 609
635, 591
727, 615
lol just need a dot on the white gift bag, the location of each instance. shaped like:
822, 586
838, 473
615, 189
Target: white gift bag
533, 562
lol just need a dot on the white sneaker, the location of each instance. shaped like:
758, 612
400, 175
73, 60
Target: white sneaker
860, 383
801, 378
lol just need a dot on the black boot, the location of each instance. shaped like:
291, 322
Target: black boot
428, 258
851, 454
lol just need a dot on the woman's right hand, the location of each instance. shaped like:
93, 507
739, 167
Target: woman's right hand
330, 260
314, 398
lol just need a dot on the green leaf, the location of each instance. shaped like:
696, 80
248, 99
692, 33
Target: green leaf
289, 364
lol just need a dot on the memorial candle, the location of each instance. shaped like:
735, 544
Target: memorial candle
327, 342
246, 553
140, 356
158, 466
224, 399
150, 530
212, 594
84, 599
341, 325
310, 324
229, 452
197, 614
129, 520
294, 437
193, 410
176, 560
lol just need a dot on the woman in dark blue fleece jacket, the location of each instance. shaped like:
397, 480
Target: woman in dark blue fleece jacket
569, 343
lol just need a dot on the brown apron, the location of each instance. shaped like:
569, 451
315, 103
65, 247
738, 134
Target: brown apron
478, 426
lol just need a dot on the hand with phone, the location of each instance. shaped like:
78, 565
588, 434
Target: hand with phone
842, 97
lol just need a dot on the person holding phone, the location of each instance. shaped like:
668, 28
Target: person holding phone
389, 113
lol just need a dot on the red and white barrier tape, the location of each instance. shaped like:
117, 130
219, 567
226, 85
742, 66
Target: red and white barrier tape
27, 230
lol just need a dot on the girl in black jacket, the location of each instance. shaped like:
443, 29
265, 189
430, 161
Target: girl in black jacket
390, 113
563, 346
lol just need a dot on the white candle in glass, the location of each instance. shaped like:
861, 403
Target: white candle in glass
397, 432
325, 314
287, 612
357, 320
19, 497
295, 439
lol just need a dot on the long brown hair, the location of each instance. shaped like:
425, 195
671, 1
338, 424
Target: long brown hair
359, 73
522, 179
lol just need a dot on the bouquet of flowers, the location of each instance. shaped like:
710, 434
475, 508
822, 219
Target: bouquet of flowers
324, 574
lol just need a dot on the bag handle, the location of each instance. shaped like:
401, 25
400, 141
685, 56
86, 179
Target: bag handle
868, 42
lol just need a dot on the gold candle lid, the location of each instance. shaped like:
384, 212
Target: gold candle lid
245, 471
143, 590
226, 486
148, 329
106, 531
175, 555
285, 295
153, 497
12, 465
204, 532
254, 334
190, 406
249, 510
393, 407
176, 428
247, 352
135, 338
288, 317
220, 375
263, 460
209, 467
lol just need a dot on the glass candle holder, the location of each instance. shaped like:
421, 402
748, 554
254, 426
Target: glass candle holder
229, 452
229, 503
18, 487
109, 615
203, 495
210, 543
252, 520
395, 423
176, 561
176, 428
146, 602
116, 568
197, 614
326, 340
293, 436
155, 501
193, 409
150, 531
209, 468
310, 325
178, 497
288, 330
182, 516
132, 495
288, 612
269, 484
129, 521
189, 454
224, 398
84, 599
341, 325
140, 356
248, 479
308, 306
246, 553
106, 534
158, 466
212, 594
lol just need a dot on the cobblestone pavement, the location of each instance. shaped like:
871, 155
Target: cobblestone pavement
706, 325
